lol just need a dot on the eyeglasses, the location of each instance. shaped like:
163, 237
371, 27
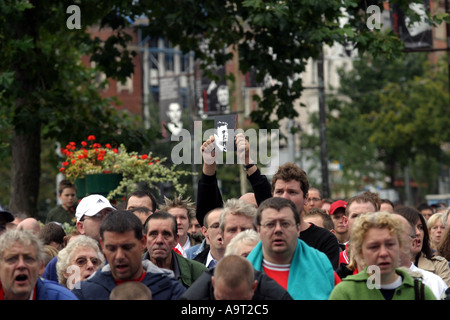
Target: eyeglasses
272, 225
99, 216
82, 261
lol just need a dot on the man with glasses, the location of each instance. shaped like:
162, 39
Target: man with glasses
21, 263
306, 273
90, 212
212, 249
314, 199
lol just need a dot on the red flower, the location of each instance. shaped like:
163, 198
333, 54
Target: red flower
144, 156
84, 143
115, 150
91, 137
108, 146
62, 169
65, 163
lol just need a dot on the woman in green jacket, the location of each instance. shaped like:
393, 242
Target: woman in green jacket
376, 240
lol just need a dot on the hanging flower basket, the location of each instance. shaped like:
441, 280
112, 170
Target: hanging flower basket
91, 161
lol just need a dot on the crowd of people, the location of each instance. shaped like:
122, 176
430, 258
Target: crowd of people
282, 241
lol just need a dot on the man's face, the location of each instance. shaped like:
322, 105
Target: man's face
356, 209
124, 254
135, 202
90, 226
223, 97
340, 220
234, 224
427, 213
213, 234
290, 190
314, 200
279, 233
19, 271
221, 137
160, 240
181, 215
174, 112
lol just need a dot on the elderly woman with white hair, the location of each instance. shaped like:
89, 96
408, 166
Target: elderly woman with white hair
78, 261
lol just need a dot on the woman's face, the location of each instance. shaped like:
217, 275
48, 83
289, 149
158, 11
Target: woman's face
83, 263
436, 232
381, 249
417, 247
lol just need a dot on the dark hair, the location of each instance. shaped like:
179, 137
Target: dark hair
141, 194
121, 221
52, 232
290, 171
384, 200
277, 203
424, 206
64, 184
327, 221
413, 215
162, 215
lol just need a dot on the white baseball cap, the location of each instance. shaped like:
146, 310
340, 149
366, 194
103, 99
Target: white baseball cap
91, 205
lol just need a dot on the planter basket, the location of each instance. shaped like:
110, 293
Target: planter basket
101, 183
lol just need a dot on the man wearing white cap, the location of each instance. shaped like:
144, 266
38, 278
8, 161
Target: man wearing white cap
90, 212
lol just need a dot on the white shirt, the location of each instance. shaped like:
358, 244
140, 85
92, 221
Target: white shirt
433, 281
209, 259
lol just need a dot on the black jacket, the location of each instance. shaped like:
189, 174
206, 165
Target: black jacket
209, 197
267, 289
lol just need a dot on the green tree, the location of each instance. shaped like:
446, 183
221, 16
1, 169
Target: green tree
46, 91
41, 73
412, 122
388, 114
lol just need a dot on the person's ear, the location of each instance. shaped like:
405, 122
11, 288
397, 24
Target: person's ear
254, 286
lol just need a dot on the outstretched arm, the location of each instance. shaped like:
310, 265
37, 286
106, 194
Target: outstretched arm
260, 185
208, 193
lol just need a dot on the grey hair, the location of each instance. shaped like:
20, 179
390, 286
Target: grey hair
248, 236
237, 207
65, 255
11, 237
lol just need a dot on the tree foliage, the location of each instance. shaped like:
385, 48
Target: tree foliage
391, 113
45, 91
